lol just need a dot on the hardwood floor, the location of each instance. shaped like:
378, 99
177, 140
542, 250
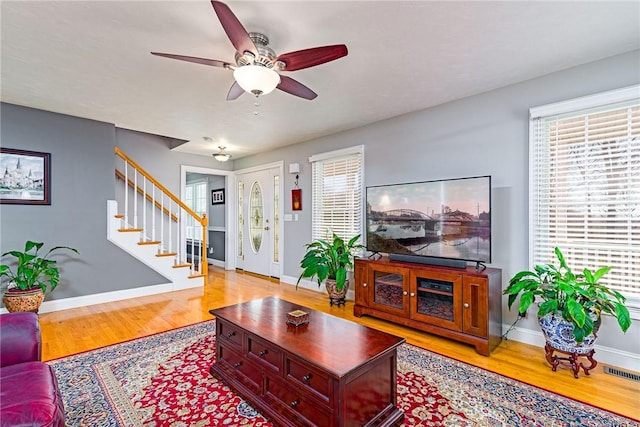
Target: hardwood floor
71, 331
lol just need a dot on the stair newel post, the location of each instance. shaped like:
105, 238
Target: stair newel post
126, 195
153, 212
203, 247
144, 206
135, 198
162, 245
169, 226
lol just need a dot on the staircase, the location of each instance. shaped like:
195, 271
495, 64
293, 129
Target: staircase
156, 227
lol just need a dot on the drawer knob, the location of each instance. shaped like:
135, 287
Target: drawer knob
306, 378
237, 364
294, 403
262, 353
465, 305
231, 334
364, 285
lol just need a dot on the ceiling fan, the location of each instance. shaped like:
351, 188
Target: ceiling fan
257, 67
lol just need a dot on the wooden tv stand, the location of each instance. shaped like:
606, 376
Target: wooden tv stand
458, 303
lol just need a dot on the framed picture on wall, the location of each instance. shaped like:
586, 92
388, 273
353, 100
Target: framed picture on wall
217, 196
25, 177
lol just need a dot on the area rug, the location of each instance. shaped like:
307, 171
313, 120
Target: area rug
164, 380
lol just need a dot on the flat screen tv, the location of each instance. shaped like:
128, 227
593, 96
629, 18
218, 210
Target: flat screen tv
444, 222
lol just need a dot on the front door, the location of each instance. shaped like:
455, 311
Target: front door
257, 223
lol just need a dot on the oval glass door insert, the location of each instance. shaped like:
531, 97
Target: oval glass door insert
256, 213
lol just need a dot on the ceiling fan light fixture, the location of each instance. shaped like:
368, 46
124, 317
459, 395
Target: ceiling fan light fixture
256, 79
222, 156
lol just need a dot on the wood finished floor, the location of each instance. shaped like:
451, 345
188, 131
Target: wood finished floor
72, 331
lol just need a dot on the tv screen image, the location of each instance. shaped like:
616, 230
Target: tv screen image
443, 219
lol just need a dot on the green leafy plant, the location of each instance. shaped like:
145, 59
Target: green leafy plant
31, 269
578, 298
329, 260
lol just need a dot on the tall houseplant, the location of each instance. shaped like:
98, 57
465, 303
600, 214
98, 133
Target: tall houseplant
329, 261
578, 298
29, 276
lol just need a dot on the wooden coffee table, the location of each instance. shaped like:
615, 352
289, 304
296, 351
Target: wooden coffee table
328, 372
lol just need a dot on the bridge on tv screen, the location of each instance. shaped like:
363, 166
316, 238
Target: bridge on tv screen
414, 227
413, 215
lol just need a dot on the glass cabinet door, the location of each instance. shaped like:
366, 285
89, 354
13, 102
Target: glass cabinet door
389, 289
436, 300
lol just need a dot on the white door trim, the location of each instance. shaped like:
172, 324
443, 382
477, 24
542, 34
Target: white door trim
230, 203
280, 166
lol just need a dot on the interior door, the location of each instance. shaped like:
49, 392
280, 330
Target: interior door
256, 222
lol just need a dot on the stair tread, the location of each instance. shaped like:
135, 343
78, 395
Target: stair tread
181, 265
149, 242
167, 254
195, 276
129, 230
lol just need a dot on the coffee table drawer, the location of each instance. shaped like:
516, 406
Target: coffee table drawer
245, 371
264, 353
292, 403
309, 378
231, 333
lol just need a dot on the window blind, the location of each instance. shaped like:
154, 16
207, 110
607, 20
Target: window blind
337, 194
585, 190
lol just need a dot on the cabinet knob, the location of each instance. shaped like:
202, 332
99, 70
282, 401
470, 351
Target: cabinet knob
364, 285
413, 294
294, 403
237, 364
465, 305
262, 353
404, 293
306, 378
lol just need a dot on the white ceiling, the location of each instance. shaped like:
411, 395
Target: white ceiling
91, 59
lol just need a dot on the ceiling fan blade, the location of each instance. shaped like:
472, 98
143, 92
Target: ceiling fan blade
234, 92
203, 61
235, 31
311, 57
294, 87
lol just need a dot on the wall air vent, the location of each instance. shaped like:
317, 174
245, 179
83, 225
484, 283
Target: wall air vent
620, 373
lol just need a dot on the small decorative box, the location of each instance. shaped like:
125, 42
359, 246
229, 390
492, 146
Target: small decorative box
297, 317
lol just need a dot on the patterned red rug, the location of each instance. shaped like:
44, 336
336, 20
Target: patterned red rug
163, 380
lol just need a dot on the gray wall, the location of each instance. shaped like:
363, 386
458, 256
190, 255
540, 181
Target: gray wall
485, 134
82, 175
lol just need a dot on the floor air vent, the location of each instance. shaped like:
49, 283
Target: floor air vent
624, 374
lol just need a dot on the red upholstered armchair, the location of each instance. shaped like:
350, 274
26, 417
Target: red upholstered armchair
29, 394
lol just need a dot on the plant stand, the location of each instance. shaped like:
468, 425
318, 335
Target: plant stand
571, 359
337, 301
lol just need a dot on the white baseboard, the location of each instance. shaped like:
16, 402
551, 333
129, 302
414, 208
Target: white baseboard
85, 300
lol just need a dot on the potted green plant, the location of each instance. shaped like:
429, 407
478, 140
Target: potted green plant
329, 261
30, 278
578, 300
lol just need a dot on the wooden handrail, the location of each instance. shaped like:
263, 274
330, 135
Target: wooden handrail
120, 175
202, 219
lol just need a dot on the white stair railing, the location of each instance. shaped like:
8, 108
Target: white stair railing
178, 231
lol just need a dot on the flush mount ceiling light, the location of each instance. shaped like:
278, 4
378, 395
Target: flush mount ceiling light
256, 79
222, 156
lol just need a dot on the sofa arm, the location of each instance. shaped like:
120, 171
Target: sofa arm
19, 338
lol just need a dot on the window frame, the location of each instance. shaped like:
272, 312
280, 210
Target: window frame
358, 211
575, 107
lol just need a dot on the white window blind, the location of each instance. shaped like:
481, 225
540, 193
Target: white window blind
337, 193
585, 186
